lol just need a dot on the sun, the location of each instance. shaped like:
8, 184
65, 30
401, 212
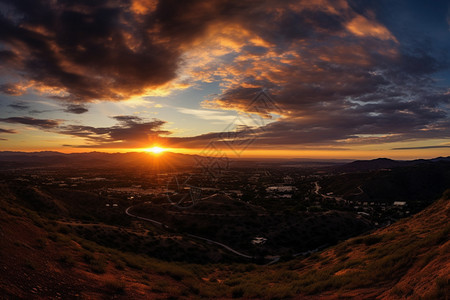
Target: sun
155, 150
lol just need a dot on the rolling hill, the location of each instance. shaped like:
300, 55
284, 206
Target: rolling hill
11, 159
40, 259
384, 163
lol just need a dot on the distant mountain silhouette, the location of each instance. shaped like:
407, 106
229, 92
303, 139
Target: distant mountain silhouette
166, 160
10, 159
383, 163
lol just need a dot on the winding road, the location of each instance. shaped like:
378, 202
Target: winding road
127, 211
273, 258
338, 198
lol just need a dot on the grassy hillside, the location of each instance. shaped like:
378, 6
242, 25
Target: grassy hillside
39, 258
418, 185
410, 259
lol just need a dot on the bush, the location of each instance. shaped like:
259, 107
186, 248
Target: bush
116, 287
40, 243
66, 260
63, 229
372, 240
237, 292
97, 265
134, 261
30, 265
120, 265
54, 237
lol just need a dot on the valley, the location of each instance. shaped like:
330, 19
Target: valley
266, 232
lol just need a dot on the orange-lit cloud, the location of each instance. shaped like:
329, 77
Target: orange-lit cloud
363, 27
339, 74
143, 7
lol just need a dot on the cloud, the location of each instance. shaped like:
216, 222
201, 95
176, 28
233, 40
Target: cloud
83, 51
19, 106
2, 130
36, 111
423, 147
10, 88
337, 70
40, 123
342, 77
130, 132
363, 27
210, 115
76, 109
71, 108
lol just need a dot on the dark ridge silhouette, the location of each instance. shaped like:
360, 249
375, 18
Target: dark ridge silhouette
383, 163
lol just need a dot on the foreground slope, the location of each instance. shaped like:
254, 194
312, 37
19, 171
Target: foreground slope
409, 259
40, 260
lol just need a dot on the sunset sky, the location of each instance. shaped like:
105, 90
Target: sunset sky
306, 79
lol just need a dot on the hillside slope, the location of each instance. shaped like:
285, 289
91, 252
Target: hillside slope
39, 260
409, 259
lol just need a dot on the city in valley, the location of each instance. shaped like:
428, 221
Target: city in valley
258, 215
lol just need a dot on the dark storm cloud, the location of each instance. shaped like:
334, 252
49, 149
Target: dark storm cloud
127, 119
360, 85
36, 111
86, 49
423, 147
72, 109
337, 69
19, 106
131, 132
7, 131
40, 123
76, 109
199, 141
10, 89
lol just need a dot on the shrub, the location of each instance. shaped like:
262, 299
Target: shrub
66, 260
97, 265
54, 237
88, 257
116, 287
30, 265
441, 289
237, 292
40, 243
134, 261
372, 240
63, 230
120, 265
174, 271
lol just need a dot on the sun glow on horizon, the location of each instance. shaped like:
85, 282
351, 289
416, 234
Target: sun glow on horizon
155, 150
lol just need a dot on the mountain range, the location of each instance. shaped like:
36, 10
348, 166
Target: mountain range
10, 159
